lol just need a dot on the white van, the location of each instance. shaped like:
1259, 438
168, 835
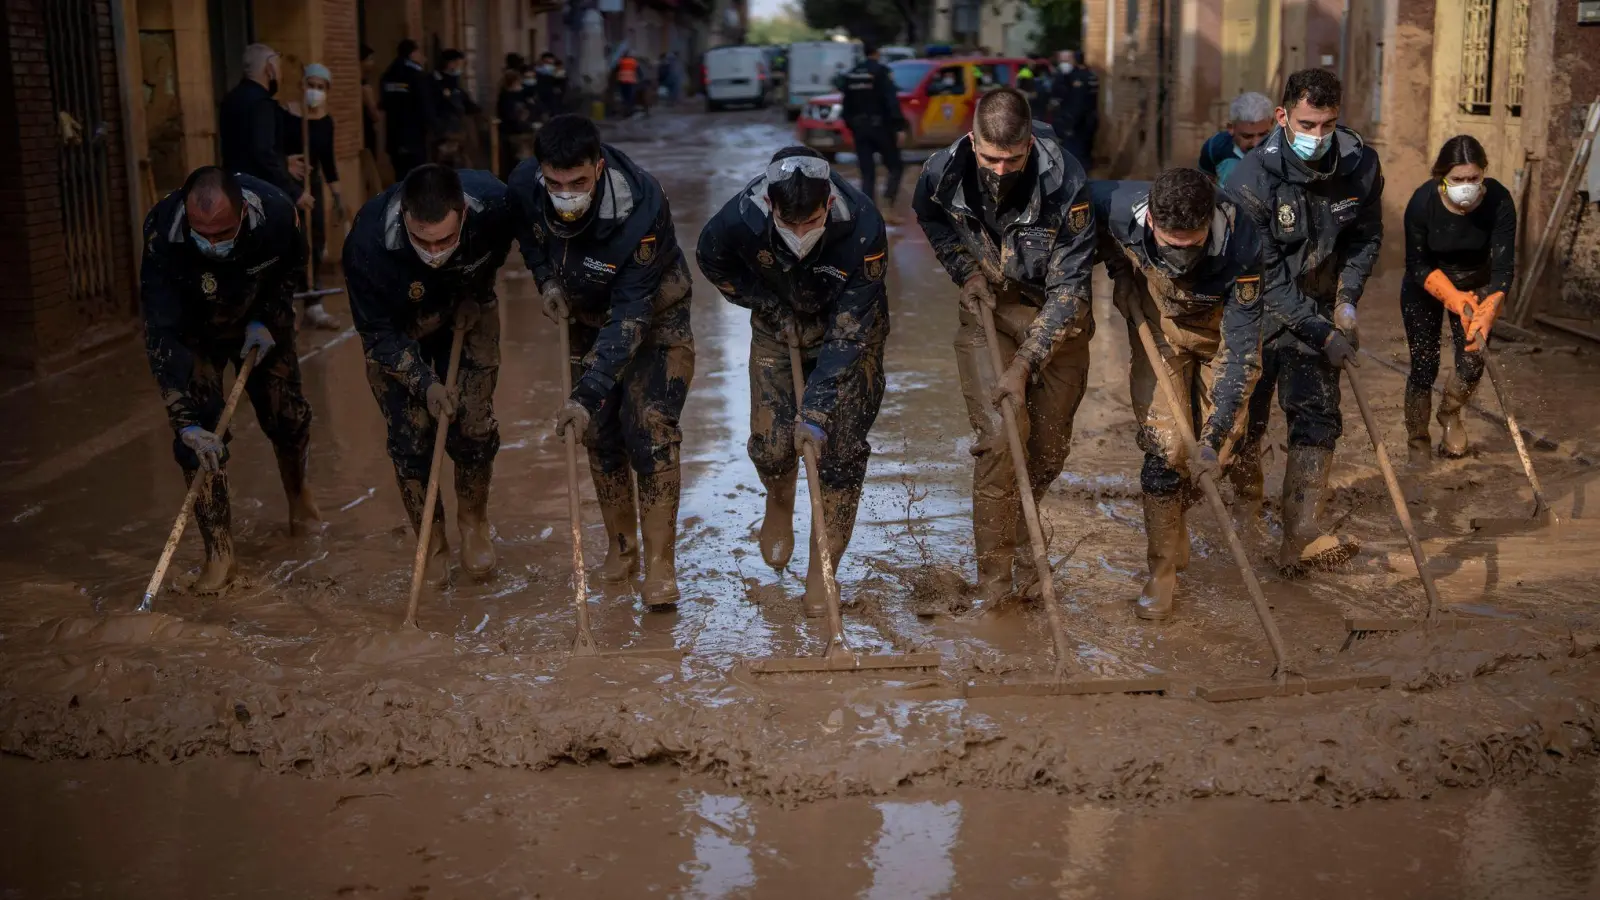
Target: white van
736, 75
813, 66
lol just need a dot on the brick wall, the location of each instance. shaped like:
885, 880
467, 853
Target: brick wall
341, 53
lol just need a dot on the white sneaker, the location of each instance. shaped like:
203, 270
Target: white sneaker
317, 317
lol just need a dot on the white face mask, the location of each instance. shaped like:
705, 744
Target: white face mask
1463, 194
571, 206
316, 97
798, 245
435, 258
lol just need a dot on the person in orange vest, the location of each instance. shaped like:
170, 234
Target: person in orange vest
627, 81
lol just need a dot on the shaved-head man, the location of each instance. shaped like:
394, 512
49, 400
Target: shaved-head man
216, 283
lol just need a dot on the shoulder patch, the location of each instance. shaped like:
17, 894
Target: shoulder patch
875, 264
646, 250
1248, 289
1078, 217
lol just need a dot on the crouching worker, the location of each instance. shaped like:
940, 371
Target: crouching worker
805, 253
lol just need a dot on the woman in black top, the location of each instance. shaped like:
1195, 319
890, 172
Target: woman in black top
323, 167
1461, 231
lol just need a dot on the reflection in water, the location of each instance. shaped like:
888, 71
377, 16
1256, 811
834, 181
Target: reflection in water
721, 865
1086, 836
911, 857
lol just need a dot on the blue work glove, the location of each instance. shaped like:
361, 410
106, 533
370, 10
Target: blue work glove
808, 435
257, 335
1203, 462
205, 445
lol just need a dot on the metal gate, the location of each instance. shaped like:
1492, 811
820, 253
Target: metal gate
83, 152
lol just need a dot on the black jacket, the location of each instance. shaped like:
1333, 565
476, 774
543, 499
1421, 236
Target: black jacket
620, 265
1320, 231
408, 105
1077, 96
1228, 277
396, 298
1477, 251
249, 122
1048, 251
869, 96
836, 294
192, 302
451, 103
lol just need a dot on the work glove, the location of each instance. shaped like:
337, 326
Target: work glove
572, 415
468, 314
809, 436
1445, 291
205, 445
975, 291
1013, 384
1202, 462
1338, 350
256, 335
1122, 296
441, 403
1482, 321
1344, 319
782, 321
555, 302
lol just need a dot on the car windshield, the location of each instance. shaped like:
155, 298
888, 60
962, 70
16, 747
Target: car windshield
908, 74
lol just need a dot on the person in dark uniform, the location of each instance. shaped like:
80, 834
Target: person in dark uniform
1009, 216
1076, 90
1249, 123
1461, 255
599, 240
250, 129
420, 255
455, 111
408, 109
1180, 251
806, 254
220, 255
1314, 191
872, 113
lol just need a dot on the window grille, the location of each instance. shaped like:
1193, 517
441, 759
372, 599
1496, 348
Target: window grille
1477, 57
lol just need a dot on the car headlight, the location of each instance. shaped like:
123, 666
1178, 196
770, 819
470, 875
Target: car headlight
836, 110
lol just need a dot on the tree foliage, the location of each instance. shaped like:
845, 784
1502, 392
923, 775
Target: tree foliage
874, 21
1060, 25
786, 27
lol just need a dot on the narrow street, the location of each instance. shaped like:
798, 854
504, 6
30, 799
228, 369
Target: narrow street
290, 728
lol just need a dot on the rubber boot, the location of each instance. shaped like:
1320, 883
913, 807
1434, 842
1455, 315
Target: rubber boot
472, 517
1453, 444
994, 534
437, 567
292, 471
1305, 544
1166, 537
1248, 489
1419, 403
213, 514
839, 519
658, 507
777, 523
620, 514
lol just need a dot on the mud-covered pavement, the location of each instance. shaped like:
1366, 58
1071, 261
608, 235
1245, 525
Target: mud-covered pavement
302, 666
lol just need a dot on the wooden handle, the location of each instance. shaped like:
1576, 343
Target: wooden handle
1397, 497
583, 643
819, 525
305, 148
435, 469
147, 602
1540, 507
1208, 485
1030, 510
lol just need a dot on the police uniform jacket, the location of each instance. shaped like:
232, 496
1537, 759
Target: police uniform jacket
192, 302
1047, 251
396, 299
408, 106
1228, 278
1321, 231
869, 96
837, 290
614, 263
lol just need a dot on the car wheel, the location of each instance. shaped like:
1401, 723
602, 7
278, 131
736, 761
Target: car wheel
792, 115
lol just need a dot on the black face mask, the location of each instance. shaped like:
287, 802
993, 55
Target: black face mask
1179, 260
997, 186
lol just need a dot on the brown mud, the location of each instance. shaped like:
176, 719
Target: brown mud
300, 665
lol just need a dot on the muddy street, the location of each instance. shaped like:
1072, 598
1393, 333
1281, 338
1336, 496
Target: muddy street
288, 726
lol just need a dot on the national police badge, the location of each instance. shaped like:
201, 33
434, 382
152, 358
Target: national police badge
416, 290
208, 283
875, 265
646, 250
1078, 218
766, 258
1247, 289
1286, 216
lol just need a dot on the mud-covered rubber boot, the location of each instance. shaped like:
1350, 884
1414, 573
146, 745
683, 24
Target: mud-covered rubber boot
1190, 495
1419, 445
658, 508
437, 568
1453, 443
777, 523
472, 517
1305, 545
994, 535
839, 518
1245, 474
214, 516
292, 471
1165, 535
621, 516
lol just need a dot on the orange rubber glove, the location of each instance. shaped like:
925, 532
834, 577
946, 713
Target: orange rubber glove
1483, 320
1440, 286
